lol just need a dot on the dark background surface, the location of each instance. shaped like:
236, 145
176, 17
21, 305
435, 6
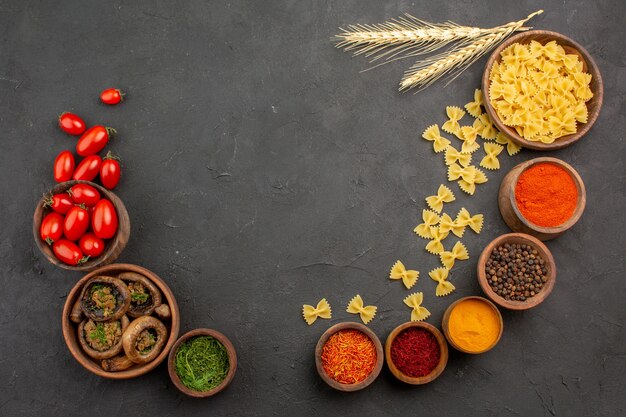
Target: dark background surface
261, 172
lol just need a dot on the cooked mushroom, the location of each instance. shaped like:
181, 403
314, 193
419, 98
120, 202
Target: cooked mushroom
144, 295
102, 340
76, 315
144, 339
163, 311
116, 364
104, 298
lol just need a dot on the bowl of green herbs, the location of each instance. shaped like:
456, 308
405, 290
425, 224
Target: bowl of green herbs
202, 363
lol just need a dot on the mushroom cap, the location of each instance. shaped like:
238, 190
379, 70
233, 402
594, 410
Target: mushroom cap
155, 295
134, 329
122, 296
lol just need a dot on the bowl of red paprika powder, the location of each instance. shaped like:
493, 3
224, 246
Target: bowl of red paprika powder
542, 197
416, 352
349, 356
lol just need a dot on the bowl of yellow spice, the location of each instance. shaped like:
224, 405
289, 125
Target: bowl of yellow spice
472, 325
542, 90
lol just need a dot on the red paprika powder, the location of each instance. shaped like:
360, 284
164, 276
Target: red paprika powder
415, 352
546, 195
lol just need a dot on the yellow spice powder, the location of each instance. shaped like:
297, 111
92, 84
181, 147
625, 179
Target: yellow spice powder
473, 325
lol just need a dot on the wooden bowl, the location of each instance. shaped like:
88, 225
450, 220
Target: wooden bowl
349, 326
513, 217
544, 252
232, 358
589, 66
443, 348
445, 324
70, 328
114, 246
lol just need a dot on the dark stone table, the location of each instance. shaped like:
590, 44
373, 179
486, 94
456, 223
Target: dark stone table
263, 171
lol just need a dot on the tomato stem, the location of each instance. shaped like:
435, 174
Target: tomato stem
110, 155
49, 241
110, 131
82, 260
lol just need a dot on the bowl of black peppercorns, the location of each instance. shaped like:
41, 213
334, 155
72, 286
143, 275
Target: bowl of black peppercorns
516, 271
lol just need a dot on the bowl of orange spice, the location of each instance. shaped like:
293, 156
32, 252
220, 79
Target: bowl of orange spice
542, 197
349, 356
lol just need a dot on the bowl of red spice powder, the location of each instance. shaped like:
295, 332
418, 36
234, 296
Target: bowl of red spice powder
416, 352
542, 197
349, 356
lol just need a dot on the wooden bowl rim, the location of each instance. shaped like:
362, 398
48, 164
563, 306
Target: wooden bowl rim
69, 330
591, 68
120, 238
232, 358
349, 325
580, 187
443, 350
545, 254
445, 324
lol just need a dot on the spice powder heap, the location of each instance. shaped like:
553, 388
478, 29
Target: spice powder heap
473, 325
415, 352
349, 356
546, 195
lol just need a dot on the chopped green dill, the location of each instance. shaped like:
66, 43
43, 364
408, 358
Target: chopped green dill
142, 297
99, 334
96, 287
201, 363
152, 343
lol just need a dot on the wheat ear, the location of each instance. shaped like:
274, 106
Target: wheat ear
455, 60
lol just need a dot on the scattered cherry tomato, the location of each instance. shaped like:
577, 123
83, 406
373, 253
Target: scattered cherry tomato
51, 228
94, 140
84, 194
68, 252
110, 171
61, 203
111, 96
104, 219
91, 245
71, 123
88, 168
76, 223
64, 166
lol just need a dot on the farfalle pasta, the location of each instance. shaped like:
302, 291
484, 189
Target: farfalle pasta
490, 161
459, 251
408, 277
444, 287
453, 155
488, 131
418, 312
430, 218
435, 246
512, 148
322, 310
439, 142
356, 306
446, 224
474, 107
469, 134
444, 195
452, 125
540, 90
474, 222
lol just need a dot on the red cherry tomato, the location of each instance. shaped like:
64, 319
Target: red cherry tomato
88, 168
111, 96
51, 228
76, 223
84, 194
71, 123
61, 203
94, 140
104, 219
68, 252
64, 166
110, 171
91, 245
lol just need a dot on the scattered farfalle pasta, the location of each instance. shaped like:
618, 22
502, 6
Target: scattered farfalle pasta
489, 131
470, 186
414, 301
469, 134
444, 195
435, 246
452, 125
459, 251
430, 218
540, 90
444, 287
311, 313
408, 277
355, 306
453, 155
446, 224
439, 142
474, 222
512, 148
473, 107
490, 161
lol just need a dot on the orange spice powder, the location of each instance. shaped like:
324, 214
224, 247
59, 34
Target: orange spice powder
546, 194
349, 356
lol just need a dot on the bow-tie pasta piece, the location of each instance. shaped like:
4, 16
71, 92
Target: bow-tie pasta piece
446, 224
453, 155
512, 148
444, 287
488, 131
459, 251
430, 218
439, 142
435, 246
414, 301
444, 195
473, 107
474, 222
490, 161
455, 171
408, 277
452, 125
311, 313
355, 306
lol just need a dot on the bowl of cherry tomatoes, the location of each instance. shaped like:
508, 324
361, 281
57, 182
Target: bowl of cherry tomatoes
81, 226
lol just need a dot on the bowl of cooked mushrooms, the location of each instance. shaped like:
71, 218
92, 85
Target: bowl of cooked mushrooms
120, 321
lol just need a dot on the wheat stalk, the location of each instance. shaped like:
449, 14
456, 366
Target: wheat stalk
455, 60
